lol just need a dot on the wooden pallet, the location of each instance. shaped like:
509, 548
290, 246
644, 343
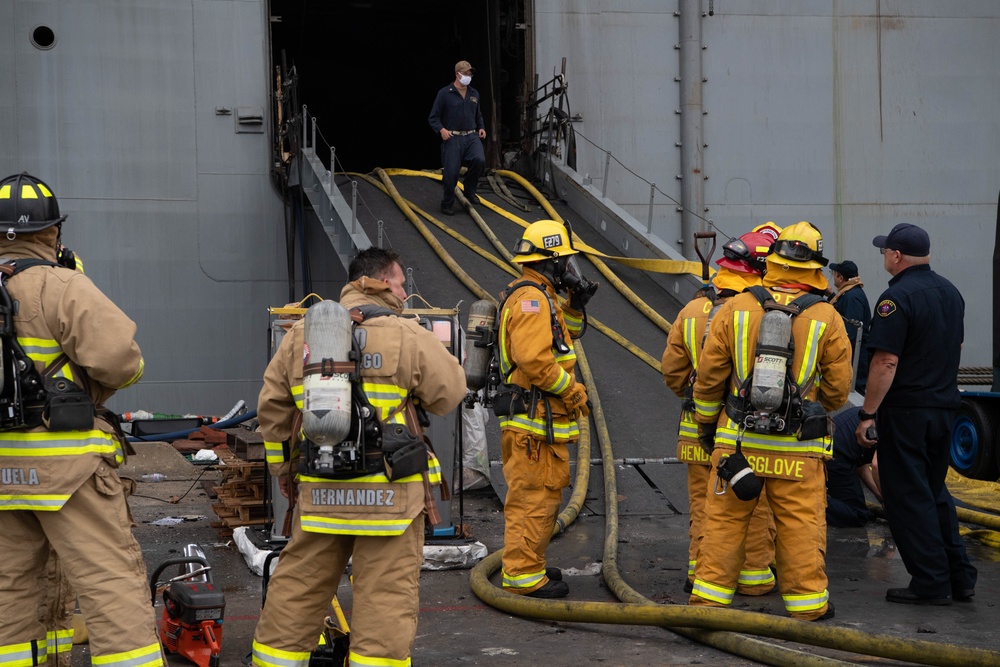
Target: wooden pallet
240, 493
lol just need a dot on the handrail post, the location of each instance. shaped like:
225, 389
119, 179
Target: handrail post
305, 136
607, 165
649, 221
354, 207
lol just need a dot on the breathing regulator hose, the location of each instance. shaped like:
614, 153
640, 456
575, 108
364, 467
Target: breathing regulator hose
701, 623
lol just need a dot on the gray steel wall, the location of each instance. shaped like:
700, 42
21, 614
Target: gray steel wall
170, 208
852, 114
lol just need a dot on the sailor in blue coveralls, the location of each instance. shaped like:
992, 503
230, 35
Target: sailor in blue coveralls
458, 118
915, 345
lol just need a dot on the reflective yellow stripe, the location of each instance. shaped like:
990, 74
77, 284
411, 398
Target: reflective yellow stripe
574, 324
274, 657
690, 342
726, 435
707, 408
806, 602
340, 526
43, 350
688, 427
756, 577
297, 393
560, 430
138, 374
506, 365
59, 443
386, 398
741, 345
5, 192
147, 656
562, 383
564, 358
28, 192
368, 661
39, 503
691, 565
274, 452
22, 655
59, 641
522, 580
712, 592
810, 352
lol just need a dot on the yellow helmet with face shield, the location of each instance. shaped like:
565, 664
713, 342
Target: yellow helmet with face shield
799, 245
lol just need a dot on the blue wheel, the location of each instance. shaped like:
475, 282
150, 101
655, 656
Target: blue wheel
973, 442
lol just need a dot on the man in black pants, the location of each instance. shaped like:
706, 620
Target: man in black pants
851, 465
458, 118
915, 341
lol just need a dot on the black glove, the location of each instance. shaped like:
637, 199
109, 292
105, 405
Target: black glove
706, 436
66, 257
579, 296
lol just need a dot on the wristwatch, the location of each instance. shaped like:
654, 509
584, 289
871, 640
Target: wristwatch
862, 415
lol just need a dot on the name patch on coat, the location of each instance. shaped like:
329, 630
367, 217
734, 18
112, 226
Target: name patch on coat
354, 497
19, 476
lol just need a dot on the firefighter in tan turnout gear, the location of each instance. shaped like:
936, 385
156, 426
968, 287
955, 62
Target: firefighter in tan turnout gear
740, 267
771, 431
540, 402
59, 487
385, 537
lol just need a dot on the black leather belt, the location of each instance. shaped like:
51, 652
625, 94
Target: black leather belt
460, 133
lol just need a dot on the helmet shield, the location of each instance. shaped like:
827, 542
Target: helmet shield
798, 251
800, 245
747, 254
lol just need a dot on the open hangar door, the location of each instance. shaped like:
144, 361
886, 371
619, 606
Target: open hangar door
369, 71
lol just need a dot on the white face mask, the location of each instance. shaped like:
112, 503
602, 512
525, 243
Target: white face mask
465, 79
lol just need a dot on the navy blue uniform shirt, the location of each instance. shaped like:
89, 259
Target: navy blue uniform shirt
453, 112
920, 318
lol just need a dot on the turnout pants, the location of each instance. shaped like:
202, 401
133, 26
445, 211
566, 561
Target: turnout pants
913, 463
536, 473
386, 597
56, 607
755, 577
799, 509
92, 534
464, 149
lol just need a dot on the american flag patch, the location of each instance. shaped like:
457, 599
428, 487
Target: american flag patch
529, 306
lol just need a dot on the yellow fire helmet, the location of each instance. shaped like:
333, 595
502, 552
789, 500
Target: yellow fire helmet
799, 245
542, 240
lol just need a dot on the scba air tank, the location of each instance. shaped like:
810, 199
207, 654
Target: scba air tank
479, 343
326, 382
771, 363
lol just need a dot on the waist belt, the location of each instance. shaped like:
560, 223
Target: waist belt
460, 133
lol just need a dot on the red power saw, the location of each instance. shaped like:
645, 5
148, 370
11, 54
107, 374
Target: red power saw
193, 608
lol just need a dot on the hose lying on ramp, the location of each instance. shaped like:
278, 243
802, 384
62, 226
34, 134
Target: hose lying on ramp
706, 622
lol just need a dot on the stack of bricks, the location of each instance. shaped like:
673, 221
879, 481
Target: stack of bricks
240, 495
